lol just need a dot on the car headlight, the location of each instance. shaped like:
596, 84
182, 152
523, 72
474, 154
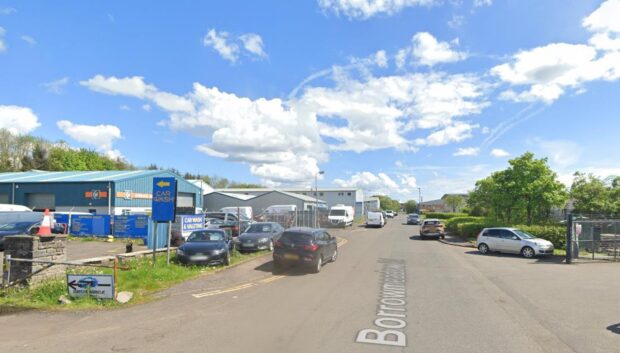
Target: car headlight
217, 252
180, 252
263, 240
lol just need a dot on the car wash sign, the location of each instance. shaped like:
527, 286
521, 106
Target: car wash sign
96, 286
164, 199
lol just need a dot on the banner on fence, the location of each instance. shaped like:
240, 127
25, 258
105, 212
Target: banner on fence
135, 226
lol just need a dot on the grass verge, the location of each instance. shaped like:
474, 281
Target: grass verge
142, 279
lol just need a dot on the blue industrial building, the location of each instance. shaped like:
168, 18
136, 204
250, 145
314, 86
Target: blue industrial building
96, 192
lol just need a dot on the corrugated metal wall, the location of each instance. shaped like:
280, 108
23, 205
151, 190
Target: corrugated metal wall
144, 185
66, 194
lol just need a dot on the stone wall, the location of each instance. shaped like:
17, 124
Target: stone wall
51, 248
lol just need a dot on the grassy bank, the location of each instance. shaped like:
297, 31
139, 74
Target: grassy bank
142, 279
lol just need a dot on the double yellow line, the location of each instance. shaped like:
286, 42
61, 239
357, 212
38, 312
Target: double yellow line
341, 242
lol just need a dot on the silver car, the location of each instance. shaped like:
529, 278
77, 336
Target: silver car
512, 240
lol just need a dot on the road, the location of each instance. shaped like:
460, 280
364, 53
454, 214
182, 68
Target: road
454, 301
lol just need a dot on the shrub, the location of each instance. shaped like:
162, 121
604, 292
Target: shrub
444, 215
452, 223
470, 229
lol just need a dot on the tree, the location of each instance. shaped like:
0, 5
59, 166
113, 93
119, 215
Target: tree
525, 191
411, 206
591, 195
454, 201
388, 203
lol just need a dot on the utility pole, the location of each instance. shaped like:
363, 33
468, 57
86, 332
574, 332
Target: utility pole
419, 199
316, 198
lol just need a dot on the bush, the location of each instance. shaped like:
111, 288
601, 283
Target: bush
452, 223
444, 215
555, 234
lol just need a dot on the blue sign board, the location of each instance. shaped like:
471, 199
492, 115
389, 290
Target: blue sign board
90, 225
192, 223
134, 226
164, 199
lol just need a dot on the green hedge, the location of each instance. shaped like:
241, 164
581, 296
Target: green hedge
444, 215
555, 234
452, 223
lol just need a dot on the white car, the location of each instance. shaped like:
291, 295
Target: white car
512, 240
375, 219
390, 214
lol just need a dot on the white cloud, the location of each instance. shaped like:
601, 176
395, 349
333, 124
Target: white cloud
499, 153
18, 120
219, 42
561, 153
479, 3
409, 181
125, 107
146, 107
364, 9
428, 51
7, 11
127, 86
230, 48
456, 21
371, 183
456, 132
253, 43
56, 86
2, 44
604, 18
28, 39
102, 137
467, 151
401, 58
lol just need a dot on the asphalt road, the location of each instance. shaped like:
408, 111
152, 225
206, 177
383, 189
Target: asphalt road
454, 300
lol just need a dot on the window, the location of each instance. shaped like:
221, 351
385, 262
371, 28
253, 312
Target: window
494, 233
506, 234
348, 194
320, 194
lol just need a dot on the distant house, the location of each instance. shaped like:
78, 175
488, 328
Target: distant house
440, 204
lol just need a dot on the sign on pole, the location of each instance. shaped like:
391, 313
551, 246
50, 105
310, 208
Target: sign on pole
97, 286
164, 199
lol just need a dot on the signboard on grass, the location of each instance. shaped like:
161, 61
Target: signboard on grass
96, 286
164, 199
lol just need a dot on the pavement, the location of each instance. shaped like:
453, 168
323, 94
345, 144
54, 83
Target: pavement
432, 297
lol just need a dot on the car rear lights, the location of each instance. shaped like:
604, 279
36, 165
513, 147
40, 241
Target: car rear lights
311, 247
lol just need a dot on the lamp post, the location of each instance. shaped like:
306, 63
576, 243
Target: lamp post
419, 199
316, 198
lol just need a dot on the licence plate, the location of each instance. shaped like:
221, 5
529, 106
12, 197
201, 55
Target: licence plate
248, 244
291, 256
198, 257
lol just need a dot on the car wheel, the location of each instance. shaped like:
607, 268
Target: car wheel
227, 259
442, 236
423, 237
527, 252
277, 266
318, 265
483, 248
335, 256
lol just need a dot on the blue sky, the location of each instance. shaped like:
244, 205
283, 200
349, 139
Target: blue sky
385, 95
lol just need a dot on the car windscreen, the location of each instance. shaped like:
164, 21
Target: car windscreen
204, 236
294, 237
18, 226
259, 228
523, 235
337, 213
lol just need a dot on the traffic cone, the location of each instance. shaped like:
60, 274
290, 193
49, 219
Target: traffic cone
45, 230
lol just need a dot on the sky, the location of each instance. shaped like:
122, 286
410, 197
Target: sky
384, 95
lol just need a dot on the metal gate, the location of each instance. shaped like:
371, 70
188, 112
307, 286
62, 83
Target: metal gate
593, 237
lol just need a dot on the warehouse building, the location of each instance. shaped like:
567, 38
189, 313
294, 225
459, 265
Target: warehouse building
331, 196
259, 203
97, 192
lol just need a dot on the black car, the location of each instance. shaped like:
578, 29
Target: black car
259, 236
24, 228
305, 246
206, 247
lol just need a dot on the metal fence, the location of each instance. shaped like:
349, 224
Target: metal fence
593, 237
298, 219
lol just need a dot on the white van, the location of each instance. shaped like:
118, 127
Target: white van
245, 211
280, 209
5, 207
341, 215
375, 219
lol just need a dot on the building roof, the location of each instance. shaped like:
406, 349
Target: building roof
38, 176
249, 197
301, 197
293, 190
432, 202
235, 196
206, 188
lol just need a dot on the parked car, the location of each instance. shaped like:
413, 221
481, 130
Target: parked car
206, 247
389, 214
413, 218
246, 212
259, 236
25, 228
227, 216
512, 240
432, 228
233, 225
305, 246
375, 219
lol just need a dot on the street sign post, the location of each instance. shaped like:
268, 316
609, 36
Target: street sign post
164, 209
96, 286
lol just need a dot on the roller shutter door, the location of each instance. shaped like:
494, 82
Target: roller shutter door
4, 198
40, 202
185, 199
